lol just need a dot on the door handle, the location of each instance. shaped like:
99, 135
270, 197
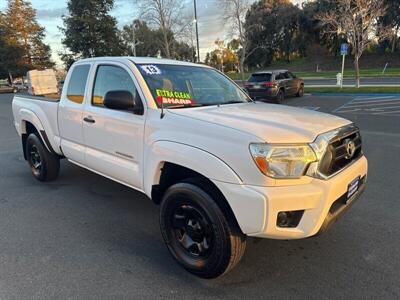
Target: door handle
89, 120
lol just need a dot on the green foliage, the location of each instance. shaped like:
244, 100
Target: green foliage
392, 20
21, 40
281, 24
224, 57
353, 90
317, 32
90, 31
149, 42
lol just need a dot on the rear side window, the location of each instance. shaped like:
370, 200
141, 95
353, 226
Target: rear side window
77, 83
111, 78
287, 75
260, 77
280, 76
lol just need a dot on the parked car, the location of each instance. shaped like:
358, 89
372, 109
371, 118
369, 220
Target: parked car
7, 88
20, 84
274, 85
221, 166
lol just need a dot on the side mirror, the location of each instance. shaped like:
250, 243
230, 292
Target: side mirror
123, 100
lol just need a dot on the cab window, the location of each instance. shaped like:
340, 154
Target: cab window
111, 78
77, 83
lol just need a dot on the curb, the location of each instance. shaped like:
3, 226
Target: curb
356, 94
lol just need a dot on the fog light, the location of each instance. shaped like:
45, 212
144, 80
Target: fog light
289, 219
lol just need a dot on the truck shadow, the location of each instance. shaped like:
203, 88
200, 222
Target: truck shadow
125, 223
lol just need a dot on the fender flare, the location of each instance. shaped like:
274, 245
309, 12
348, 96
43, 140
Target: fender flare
29, 116
196, 159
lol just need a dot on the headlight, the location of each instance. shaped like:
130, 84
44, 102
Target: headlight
282, 161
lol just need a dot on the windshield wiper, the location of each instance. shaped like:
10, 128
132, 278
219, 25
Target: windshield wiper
231, 102
177, 106
183, 105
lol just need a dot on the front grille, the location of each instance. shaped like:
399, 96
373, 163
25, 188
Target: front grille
337, 155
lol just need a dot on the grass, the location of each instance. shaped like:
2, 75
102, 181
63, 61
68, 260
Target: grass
351, 73
353, 90
390, 72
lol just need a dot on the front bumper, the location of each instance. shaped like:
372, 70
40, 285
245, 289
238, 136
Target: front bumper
256, 208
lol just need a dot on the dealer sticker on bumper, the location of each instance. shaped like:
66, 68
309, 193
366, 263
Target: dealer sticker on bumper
352, 188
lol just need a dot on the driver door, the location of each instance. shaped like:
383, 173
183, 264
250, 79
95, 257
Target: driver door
113, 138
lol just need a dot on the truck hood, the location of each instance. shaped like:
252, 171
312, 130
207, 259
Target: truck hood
270, 122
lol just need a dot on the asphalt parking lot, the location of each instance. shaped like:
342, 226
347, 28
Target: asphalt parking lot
84, 236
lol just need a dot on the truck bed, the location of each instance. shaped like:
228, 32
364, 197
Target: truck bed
40, 111
50, 97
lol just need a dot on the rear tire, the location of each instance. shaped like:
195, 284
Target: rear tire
280, 97
197, 233
45, 166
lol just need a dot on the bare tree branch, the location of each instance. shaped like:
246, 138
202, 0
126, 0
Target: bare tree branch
166, 15
356, 21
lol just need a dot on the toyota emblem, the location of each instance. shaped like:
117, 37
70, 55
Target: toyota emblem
350, 148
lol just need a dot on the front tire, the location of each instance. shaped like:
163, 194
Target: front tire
300, 92
45, 166
197, 233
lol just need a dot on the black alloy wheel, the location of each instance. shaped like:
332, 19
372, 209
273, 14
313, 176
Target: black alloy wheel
44, 165
35, 161
197, 233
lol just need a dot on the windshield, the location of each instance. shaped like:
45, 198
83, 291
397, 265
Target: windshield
189, 86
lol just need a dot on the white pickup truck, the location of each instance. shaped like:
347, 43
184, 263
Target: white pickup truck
221, 166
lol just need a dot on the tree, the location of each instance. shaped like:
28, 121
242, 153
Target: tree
223, 57
274, 29
10, 56
320, 33
90, 31
391, 19
235, 14
291, 39
147, 42
166, 16
143, 36
22, 39
356, 20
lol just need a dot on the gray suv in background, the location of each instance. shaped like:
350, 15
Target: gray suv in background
274, 85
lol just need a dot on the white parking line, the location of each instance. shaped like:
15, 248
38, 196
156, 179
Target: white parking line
310, 107
371, 98
387, 105
387, 102
388, 112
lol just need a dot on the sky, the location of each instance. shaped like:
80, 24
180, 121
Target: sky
211, 24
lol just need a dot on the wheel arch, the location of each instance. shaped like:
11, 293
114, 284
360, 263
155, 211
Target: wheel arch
171, 174
202, 162
168, 163
28, 127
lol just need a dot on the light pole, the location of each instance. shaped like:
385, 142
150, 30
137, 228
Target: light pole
197, 31
134, 39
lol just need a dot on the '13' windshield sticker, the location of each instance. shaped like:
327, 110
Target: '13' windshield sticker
151, 69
